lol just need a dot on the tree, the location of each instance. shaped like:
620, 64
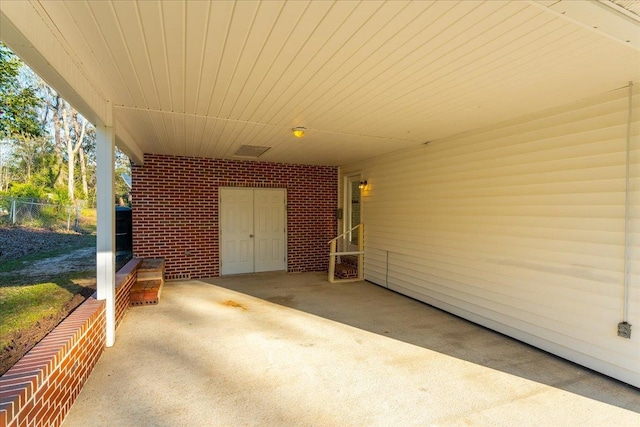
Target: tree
73, 141
83, 172
30, 151
73, 137
53, 103
44, 142
18, 103
19, 123
123, 178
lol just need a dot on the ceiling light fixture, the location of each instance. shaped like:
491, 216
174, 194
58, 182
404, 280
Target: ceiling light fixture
299, 131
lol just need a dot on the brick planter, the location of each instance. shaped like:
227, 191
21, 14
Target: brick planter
40, 389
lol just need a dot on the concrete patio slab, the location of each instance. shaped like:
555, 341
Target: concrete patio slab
279, 349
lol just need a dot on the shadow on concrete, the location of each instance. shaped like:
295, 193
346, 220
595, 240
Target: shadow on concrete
381, 311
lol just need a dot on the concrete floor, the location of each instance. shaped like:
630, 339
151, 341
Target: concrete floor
279, 349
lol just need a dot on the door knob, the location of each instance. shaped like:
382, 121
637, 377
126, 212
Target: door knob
251, 235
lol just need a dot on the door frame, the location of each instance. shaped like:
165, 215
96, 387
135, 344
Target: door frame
348, 206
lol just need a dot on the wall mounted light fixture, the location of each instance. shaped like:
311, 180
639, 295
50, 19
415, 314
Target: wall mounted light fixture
362, 185
299, 131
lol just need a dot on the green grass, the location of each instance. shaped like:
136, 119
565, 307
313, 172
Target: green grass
23, 306
88, 220
25, 300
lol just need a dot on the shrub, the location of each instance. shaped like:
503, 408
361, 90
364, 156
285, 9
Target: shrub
25, 191
61, 196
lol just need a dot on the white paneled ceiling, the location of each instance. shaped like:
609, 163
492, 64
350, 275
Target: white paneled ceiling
200, 78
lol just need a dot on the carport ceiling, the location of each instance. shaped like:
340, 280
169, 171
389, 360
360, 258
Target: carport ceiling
202, 78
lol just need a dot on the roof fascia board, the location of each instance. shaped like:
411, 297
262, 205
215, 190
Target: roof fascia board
29, 35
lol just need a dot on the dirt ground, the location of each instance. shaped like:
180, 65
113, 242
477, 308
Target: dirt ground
16, 243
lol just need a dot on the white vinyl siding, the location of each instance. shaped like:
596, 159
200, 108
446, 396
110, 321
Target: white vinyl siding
520, 227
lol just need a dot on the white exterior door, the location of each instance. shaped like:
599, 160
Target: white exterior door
236, 230
269, 226
252, 230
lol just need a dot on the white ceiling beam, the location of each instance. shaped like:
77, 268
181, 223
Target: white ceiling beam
127, 145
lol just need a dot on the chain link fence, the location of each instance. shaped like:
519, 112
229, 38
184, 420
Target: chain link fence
38, 213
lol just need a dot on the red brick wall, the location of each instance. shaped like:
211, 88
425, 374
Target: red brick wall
42, 386
175, 210
126, 277
40, 389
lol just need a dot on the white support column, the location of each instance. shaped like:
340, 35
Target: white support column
105, 246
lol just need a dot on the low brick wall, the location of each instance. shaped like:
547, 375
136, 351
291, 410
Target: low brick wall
125, 279
42, 386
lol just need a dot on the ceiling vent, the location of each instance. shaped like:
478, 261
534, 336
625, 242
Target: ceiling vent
250, 151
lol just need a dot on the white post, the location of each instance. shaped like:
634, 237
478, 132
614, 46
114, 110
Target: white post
361, 250
105, 245
13, 211
332, 262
